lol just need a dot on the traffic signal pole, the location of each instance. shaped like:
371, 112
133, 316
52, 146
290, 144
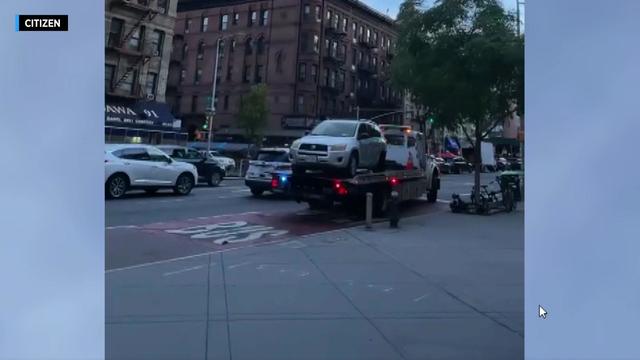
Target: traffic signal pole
213, 96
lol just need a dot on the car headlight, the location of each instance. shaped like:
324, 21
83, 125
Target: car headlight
295, 145
340, 147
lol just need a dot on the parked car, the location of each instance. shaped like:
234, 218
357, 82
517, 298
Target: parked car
133, 166
227, 163
458, 165
343, 145
209, 170
502, 164
259, 174
440, 163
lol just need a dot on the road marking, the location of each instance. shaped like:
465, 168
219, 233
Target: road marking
346, 230
183, 270
121, 227
421, 297
444, 201
241, 190
238, 265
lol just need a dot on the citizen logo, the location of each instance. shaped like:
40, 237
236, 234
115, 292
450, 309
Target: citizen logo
42, 22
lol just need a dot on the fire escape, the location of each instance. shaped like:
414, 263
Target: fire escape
140, 56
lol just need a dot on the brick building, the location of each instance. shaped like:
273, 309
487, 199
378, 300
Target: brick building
138, 44
318, 59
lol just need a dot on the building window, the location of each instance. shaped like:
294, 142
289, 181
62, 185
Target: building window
334, 49
157, 39
233, 46
279, 61
326, 77
353, 83
332, 78
152, 83
361, 31
253, 18
135, 41
341, 75
375, 37
221, 49
198, 76
307, 11
329, 14
229, 72
224, 22
264, 17
259, 73
115, 32
245, 74
368, 35
260, 46
187, 25
359, 57
226, 102
314, 73
375, 63
185, 49
163, 5
318, 14
183, 75
127, 83
345, 24
194, 104
201, 49
316, 43
248, 47
327, 45
302, 72
335, 21
300, 104
204, 24
109, 72
236, 18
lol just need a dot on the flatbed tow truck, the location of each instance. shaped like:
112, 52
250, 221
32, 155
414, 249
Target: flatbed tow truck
419, 176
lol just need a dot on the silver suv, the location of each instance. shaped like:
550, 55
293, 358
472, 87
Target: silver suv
345, 145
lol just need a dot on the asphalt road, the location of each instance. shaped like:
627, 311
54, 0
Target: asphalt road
144, 228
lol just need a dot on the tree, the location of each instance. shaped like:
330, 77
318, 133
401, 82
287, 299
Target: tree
463, 61
253, 113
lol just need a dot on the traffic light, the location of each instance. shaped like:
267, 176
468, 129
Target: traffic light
205, 126
431, 120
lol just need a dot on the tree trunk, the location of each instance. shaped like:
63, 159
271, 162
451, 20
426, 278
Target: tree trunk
477, 162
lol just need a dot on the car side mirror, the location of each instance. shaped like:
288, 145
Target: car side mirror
307, 132
168, 160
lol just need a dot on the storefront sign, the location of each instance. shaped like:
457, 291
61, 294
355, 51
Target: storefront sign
141, 114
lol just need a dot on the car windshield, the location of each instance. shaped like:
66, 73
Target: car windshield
394, 139
336, 128
273, 156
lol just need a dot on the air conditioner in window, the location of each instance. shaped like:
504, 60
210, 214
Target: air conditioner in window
156, 53
150, 97
161, 10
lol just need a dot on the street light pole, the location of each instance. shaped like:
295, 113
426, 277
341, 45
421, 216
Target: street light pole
518, 3
213, 95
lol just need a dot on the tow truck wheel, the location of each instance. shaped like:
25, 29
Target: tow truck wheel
432, 194
256, 192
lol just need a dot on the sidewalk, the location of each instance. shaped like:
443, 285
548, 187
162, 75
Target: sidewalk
443, 286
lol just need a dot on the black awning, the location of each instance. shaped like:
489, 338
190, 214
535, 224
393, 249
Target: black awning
150, 115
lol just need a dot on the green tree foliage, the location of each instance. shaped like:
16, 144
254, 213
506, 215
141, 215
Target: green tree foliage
463, 61
254, 113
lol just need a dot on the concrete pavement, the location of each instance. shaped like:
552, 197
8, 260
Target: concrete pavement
442, 286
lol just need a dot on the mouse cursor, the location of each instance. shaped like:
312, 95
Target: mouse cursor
542, 312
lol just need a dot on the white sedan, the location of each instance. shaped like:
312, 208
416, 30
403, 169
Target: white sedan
133, 166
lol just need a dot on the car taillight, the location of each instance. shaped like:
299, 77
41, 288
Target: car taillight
394, 181
275, 182
339, 188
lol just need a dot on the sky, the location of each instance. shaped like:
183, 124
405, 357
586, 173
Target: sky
393, 5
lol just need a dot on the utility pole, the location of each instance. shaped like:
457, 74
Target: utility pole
212, 112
